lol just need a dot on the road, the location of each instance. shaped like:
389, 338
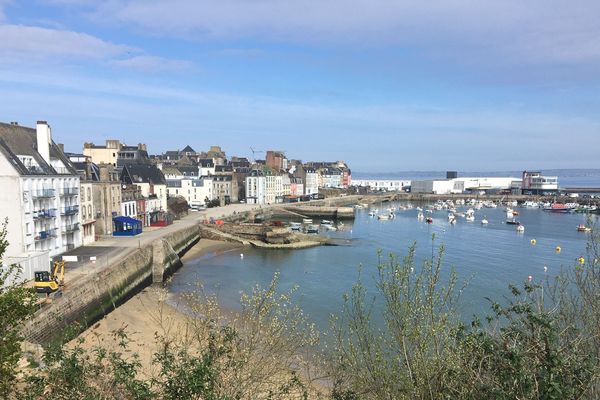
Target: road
94, 257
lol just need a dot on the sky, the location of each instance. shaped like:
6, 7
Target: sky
386, 85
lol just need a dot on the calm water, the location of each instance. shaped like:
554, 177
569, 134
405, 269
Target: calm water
492, 256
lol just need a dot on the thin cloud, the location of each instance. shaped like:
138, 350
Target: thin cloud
510, 31
153, 64
38, 43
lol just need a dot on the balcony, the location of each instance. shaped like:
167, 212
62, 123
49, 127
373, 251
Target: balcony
70, 228
43, 235
43, 193
69, 192
72, 210
44, 214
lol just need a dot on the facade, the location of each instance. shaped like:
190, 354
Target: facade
389, 185
149, 179
311, 182
88, 222
536, 183
106, 154
256, 188
194, 190
107, 198
39, 196
461, 185
276, 160
222, 188
274, 189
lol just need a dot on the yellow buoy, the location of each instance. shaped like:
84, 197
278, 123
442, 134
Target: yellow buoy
581, 260
557, 249
533, 241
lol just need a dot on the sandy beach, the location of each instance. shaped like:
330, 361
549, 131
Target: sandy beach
147, 315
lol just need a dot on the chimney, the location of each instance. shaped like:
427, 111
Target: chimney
61, 147
44, 137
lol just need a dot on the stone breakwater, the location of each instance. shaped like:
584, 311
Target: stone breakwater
97, 295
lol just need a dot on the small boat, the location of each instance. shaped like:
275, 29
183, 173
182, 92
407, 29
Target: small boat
312, 229
307, 221
520, 228
420, 215
326, 222
470, 218
295, 226
583, 228
484, 221
512, 222
330, 227
373, 213
419, 209
429, 220
453, 221
383, 217
451, 217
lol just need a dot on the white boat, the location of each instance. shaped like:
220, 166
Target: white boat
520, 228
383, 217
307, 221
420, 215
419, 209
470, 217
295, 226
312, 229
451, 217
326, 222
484, 221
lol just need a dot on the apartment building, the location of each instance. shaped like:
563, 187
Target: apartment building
39, 196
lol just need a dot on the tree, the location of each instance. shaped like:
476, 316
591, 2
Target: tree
17, 304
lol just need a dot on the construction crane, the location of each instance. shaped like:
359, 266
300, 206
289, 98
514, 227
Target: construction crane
49, 282
254, 153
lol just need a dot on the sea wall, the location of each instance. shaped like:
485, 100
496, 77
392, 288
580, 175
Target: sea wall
88, 300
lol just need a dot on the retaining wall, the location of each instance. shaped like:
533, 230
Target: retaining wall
94, 297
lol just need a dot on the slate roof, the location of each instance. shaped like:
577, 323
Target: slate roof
142, 173
188, 149
19, 140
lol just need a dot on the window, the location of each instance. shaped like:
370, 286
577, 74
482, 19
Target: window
89, 194
90, 210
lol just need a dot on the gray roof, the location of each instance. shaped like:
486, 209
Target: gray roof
19, 140
142, 173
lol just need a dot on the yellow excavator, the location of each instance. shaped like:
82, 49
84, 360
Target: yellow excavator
49, 282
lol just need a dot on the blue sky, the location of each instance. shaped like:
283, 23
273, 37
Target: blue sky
382, 84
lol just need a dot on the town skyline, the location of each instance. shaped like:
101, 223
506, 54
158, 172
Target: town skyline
384, 86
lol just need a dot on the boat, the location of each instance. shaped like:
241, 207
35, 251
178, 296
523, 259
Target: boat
419, 209
383, 217
512, 222
307, 221
429, 220
520, 228
330, 227
295, 226
373, 213
484, 221
312, 229
420, 215
559, 208
583, 228
470, 218
451, 217
453, 221
326, 222
531, 204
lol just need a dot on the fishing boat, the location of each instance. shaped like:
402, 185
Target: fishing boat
559, 208
583, 228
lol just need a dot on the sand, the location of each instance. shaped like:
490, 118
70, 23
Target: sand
147, 315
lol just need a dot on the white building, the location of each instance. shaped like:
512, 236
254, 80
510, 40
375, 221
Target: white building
536, 183
389, 185
256, 188
39, 196
195, 191
311, 183
460, 185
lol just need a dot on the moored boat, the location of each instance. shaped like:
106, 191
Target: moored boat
559, 208
583, 228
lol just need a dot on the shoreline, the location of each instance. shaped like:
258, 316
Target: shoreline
148, 315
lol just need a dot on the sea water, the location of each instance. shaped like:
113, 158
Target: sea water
489, 257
